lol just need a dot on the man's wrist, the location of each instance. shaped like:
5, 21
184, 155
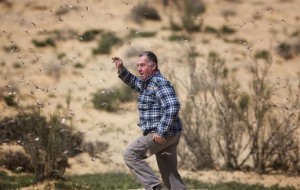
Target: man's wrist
121, 69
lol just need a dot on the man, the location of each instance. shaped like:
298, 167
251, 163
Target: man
159, 121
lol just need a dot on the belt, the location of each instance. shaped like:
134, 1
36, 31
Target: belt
145, 133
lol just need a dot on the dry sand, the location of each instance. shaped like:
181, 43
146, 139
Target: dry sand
26, 20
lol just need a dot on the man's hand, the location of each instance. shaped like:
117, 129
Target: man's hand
118, 62
158, 139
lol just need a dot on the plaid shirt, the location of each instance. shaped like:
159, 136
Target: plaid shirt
157, 103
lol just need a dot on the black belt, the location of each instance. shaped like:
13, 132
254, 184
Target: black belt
145, 133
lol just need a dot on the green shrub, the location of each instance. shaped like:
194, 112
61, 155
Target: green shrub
89, 35
224, 30
238, 41
191, 10
143, 11
15, 182
285, 50
227, 30
17, 65
10, 100
16, 161
12, 48
210, 29
121, 181
175, 37
108, 40
134, 33
289, 49
239, 125
263, 54
109, 100
61, 55
48, 143
78, 65
44, 43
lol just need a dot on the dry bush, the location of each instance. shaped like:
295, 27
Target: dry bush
10, 94
48, 142
229, 127
110, 99
290, 48
16, 160
189, 11
144, 12
106, 43
197, 151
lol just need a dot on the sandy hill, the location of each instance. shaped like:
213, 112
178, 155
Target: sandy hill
46, 75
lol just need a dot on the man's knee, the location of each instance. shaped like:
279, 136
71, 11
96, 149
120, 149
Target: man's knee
128, 156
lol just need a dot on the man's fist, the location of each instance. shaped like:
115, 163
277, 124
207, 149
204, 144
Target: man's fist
118, 62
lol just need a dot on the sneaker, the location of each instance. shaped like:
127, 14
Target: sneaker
157, 187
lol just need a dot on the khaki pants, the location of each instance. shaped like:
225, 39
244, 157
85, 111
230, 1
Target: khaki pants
166, 157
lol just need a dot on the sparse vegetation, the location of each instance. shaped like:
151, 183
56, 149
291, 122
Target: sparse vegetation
109, 100
210, 29
17, 65
225, 124
48, 143
12, 48
134, 34
44, 43
59, 34
192, 10
10, 100
90, 35
15, 182
263, 54
239, 41
121, 181
224, 30
78, 65
235, 118
175, 37
108, 40
289, 49
144, 12
61, 55
16, 161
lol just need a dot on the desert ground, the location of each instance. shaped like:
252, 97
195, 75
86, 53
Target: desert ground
28, 70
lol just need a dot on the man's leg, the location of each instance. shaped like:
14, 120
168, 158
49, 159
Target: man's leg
135, 155
167, 164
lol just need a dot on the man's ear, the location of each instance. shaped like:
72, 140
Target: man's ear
154, 67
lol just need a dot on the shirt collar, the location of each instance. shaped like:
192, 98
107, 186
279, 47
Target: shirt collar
153, 74
146, 82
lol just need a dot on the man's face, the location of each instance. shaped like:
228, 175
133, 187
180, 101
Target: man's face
145, 68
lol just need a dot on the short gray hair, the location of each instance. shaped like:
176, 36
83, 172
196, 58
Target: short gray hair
150, 55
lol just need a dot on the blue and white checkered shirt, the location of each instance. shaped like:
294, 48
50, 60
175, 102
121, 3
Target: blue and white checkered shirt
157, 103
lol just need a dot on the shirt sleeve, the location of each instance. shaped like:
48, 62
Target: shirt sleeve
130, 79
170, 108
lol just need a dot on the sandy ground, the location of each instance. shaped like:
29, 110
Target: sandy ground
42, 78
